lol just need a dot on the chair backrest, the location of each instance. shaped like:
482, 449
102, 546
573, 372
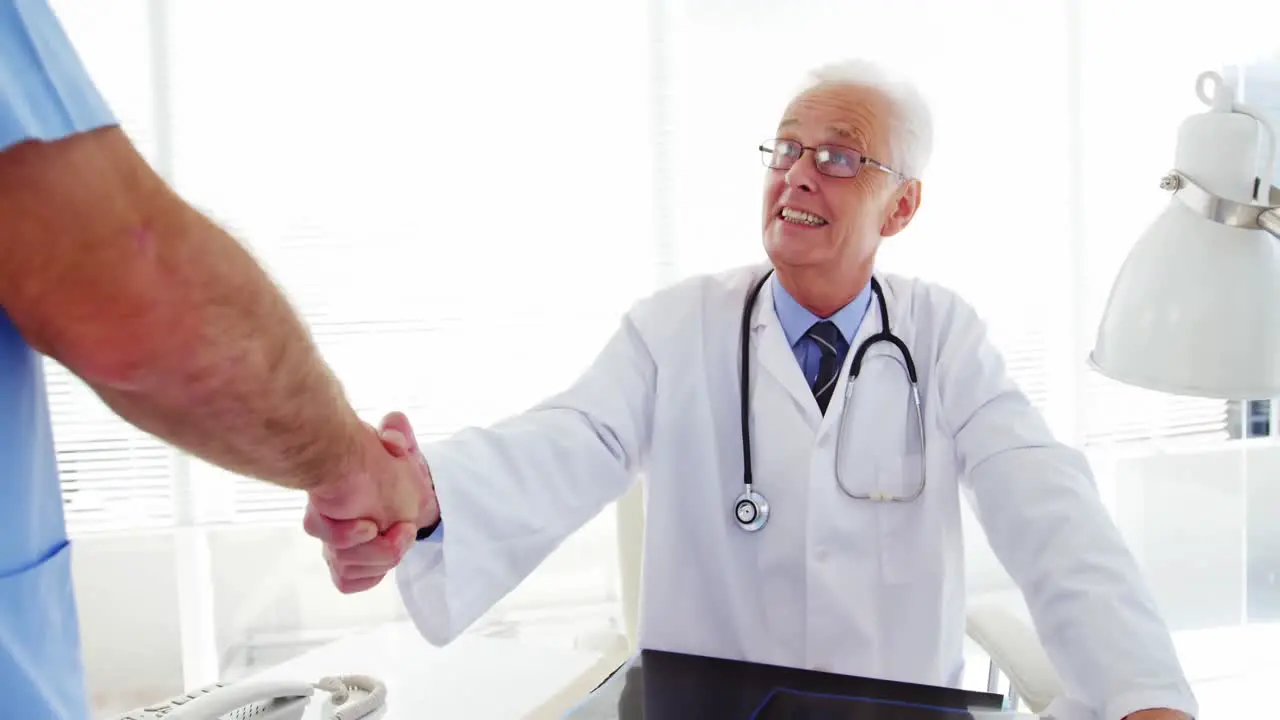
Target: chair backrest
629, 511
1014, 647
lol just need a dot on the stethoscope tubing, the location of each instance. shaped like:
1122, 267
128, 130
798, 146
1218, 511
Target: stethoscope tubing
751, 509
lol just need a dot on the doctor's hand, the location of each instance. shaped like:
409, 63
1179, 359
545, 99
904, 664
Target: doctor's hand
1160, 714
368, 524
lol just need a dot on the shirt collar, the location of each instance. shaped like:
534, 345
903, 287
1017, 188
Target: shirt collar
796, 319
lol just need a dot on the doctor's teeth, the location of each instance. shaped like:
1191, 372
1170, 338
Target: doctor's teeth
802, 217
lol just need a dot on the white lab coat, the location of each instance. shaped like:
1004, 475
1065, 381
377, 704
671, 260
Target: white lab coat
831, 583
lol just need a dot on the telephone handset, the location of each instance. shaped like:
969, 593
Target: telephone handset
351, 697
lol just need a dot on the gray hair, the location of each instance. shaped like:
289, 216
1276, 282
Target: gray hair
911, 130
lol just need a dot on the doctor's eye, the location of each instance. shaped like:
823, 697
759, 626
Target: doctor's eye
839, 160
780, 154
789, 148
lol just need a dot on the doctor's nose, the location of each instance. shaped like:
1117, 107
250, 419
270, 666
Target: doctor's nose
802, 175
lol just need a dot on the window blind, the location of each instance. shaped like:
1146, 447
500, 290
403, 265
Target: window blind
113, 476
460, 230
448, 260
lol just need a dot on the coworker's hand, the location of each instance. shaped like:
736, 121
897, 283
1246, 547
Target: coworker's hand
1158, 714
368, 525
385, 482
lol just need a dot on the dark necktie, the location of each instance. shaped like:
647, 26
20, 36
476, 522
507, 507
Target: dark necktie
827, 336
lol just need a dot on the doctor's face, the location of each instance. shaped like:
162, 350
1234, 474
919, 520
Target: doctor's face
814, 220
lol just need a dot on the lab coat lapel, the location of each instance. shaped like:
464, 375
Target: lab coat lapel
776, 358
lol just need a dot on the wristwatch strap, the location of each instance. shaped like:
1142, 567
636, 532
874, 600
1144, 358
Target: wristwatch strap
424, 533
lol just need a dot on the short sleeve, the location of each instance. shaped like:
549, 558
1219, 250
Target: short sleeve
45, 91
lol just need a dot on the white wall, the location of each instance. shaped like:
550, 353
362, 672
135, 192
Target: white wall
129, 617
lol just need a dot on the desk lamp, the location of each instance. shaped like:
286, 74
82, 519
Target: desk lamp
1195, 309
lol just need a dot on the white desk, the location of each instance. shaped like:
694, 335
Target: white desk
475, 678
1233, 670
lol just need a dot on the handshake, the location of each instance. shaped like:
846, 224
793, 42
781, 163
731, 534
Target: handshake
369, 514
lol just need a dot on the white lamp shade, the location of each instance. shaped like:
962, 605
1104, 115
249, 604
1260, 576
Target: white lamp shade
1195, 311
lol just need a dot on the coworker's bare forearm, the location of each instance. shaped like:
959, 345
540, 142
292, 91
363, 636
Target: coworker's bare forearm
252, 395
164, 314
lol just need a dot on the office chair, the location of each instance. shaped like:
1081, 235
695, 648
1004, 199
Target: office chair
1015, 651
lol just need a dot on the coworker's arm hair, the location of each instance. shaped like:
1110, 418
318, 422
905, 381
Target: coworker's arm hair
106, 270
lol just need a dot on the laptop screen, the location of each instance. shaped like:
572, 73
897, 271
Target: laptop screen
783, 704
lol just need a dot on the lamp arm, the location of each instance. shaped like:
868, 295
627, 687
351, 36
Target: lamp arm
1269, 220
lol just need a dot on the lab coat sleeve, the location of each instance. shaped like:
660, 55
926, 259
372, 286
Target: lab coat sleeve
1038, 504
511, 493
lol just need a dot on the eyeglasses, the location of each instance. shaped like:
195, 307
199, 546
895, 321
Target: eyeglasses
831, 160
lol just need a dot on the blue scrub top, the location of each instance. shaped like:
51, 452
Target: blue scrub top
45, 94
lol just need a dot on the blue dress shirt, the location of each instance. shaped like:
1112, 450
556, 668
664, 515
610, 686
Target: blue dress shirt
45, 94
796, 321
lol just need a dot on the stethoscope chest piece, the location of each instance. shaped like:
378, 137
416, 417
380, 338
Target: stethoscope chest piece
751, 510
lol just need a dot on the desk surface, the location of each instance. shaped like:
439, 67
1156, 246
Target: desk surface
672, 686
472, 677
1230, 668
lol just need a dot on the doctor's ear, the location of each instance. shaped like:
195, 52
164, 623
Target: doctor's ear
902, 207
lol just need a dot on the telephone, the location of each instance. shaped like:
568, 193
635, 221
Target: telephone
351, 697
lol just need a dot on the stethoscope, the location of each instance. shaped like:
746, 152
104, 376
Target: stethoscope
751, 509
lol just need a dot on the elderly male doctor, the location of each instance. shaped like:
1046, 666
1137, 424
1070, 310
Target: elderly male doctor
831, 581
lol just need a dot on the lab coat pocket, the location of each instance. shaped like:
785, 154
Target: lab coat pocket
902, 525
40, 667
